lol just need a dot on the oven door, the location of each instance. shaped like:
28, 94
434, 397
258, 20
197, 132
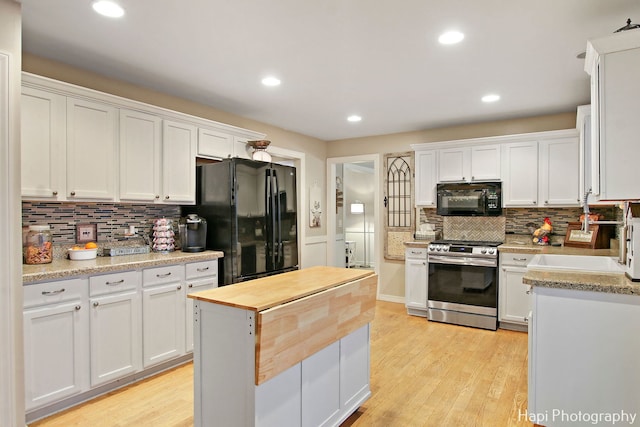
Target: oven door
464, 281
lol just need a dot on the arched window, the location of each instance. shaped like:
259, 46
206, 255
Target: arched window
398, 203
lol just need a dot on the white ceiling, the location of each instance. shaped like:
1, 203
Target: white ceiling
376, 58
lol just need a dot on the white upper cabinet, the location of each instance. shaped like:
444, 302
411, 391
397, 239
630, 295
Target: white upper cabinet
475, 163
485, 162
178, 162
43, 144
82, 145
454, 164
560, 172
613, 63
140, 144
520, 174
214, 144
425, 177
91, 150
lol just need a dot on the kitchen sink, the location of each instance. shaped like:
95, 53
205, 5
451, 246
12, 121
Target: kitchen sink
577, 263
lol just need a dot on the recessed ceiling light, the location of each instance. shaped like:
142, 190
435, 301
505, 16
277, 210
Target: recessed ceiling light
271, 81
108, 8
490, 98
354, 118
451, 37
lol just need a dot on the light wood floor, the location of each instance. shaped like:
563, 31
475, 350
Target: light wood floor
422, 374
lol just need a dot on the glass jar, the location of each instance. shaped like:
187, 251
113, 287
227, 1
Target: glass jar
38, 248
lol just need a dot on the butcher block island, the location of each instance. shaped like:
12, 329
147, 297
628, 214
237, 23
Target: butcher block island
285, 350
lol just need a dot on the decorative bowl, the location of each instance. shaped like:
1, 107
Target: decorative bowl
82, 254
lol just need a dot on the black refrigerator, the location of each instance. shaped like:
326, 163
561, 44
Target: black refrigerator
251, 212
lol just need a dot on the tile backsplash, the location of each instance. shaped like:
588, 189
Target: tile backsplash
515, 220
111, 218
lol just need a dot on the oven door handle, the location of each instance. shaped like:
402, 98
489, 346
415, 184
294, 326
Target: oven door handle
477, 262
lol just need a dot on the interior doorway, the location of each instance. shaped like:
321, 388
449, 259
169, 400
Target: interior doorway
353, 211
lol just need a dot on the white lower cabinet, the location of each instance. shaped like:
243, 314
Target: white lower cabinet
163, 314
200, 276
416, 277
321, 387
355, 369
583, 356
514, 295
115, 326
55, 341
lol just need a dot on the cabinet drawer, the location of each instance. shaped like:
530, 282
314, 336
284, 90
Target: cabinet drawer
113, 282
160, 275
202, 269
54, 292
515, 259
420, 253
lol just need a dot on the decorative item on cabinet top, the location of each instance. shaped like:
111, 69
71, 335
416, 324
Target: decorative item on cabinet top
260, 150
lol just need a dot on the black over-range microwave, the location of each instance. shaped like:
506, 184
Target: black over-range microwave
470, 199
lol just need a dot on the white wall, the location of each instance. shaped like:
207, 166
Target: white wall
11, 354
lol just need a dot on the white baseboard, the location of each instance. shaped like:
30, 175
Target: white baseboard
391, 298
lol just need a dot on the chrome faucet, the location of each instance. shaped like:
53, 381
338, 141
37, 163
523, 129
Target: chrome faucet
585, 221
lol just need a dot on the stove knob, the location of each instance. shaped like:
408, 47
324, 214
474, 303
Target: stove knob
492, 251
483, 250
432, 248
445, 249
438, 248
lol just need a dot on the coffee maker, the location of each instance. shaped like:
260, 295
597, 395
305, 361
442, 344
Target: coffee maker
193, 233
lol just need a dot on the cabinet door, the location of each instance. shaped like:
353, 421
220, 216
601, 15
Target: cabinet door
321, 387
454, 164
520, 174
55, 346
515, 298
560, 172
43, 144
426, 177
485, 163
195, 286
91, 150
619, 124
140, 137
354, 370
240, 148
163, 325
178, 162
416, 283
214, 144
115, 336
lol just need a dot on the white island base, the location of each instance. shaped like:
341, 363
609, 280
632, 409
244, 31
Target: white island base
283, 365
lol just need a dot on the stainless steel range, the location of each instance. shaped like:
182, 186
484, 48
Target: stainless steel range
463, 283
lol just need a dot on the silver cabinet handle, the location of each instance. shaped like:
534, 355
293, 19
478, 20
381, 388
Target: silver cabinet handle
535, 202
179, 287
166, 197
190, 285
200, 270
157, 196
114, 283
95, 304
424, 263
77, 307
59, 291
55, 193
73, 193
526, 319
163, 275
519, 259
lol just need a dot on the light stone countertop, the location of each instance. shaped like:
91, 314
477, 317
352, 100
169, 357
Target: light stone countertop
608, 283
62, 268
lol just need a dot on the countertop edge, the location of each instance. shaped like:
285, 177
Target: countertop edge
604, 283
63, 268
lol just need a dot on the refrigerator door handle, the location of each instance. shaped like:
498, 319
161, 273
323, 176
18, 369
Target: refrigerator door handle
279, 219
